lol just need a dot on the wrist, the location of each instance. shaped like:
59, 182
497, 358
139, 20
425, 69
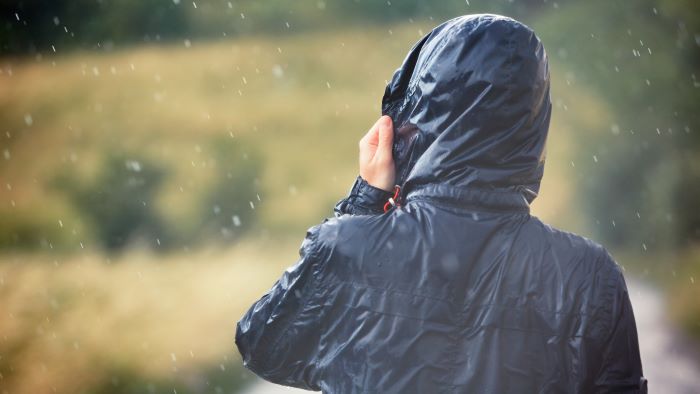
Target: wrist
364, 199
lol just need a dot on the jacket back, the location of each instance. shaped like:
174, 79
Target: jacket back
457, 288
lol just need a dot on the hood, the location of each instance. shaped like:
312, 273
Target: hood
471, 107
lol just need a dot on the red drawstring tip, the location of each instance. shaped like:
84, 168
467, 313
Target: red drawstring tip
394, 200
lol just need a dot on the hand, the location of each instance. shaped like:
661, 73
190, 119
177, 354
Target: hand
376, 161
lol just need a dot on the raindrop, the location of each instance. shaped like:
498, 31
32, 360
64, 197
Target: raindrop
28, 119
449, 264
187, 43
236, 220
277, 71
133, 165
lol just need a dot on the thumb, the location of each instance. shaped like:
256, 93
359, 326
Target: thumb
386, 136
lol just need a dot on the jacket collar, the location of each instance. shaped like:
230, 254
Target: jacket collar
497, 200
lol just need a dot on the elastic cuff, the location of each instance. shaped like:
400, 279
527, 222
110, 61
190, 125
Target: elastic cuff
364, 199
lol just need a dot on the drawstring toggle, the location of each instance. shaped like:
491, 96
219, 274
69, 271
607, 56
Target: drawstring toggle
394, 200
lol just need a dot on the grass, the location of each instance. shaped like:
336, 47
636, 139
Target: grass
76, 323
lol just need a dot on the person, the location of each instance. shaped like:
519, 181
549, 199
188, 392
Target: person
431, 276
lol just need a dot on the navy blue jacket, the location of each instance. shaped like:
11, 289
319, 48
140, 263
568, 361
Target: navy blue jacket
456, 288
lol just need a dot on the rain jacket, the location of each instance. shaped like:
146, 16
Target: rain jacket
456, 288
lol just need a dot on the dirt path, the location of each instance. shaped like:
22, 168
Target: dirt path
668, 363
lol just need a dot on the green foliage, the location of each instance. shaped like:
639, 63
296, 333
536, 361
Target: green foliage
29, 230
119, 202
229, 203
641, 191
29, 26
34, 26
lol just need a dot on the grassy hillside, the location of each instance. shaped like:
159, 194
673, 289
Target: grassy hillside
301, 102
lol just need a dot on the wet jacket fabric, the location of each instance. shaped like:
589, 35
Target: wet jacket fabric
456, 288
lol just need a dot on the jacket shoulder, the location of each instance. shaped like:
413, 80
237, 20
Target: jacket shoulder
577, 247
332, 233
589, 266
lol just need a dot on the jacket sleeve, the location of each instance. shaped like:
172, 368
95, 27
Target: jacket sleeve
278, 336
363, 199
621, 367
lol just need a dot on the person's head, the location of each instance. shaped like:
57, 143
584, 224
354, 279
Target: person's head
470, 106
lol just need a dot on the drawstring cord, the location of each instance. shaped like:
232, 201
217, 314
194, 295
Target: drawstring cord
394, 200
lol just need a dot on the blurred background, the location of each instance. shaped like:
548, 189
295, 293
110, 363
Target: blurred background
161, 160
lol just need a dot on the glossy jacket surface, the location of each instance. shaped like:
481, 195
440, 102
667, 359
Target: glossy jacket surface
459, 289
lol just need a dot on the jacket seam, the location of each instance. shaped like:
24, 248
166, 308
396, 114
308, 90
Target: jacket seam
456, 203
358, 284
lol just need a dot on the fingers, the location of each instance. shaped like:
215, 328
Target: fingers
376, 161
385, 137
371, 137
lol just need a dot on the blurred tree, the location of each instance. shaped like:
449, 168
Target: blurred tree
228, 205
641, 58
29, 26
118, 202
